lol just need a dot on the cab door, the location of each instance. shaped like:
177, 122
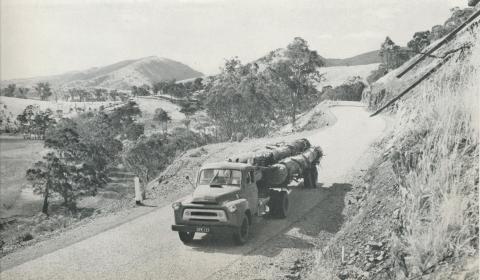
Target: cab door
251, 191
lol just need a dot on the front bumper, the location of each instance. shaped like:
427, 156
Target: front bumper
213, 228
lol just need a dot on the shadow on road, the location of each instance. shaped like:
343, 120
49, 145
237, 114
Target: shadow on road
322, 221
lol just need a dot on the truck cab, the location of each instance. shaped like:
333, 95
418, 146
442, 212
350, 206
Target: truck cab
226, 198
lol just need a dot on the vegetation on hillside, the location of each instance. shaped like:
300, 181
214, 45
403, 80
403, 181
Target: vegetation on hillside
351, 90
436, 156
393, 56
249, 99
81, 150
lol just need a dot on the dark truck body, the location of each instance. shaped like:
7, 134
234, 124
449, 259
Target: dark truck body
230, 207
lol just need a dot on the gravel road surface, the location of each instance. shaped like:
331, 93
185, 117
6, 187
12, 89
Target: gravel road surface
146, 248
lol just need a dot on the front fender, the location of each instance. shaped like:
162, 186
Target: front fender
242, 206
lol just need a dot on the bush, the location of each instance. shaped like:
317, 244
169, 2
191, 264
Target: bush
350, 91
375, 75
24, 236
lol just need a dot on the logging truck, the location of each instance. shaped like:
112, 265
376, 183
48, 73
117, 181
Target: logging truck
229, 194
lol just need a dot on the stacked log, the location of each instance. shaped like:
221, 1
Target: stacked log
272, 153
280, 174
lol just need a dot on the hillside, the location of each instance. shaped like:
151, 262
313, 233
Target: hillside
414, 213
121, 75
337, 75
361, 59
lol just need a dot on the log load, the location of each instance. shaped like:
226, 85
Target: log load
282, 162
272, 154
280, 174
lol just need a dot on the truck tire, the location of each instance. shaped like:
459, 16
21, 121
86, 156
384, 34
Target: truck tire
240, 236
314, 174
186, 237
307, 179
279, 204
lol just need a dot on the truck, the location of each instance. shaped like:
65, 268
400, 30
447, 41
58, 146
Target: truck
229, 194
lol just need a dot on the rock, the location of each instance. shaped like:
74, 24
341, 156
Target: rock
375, 245
371, 259
293, 276
368, 266
379, 258
343, 274
350, 262
396, 214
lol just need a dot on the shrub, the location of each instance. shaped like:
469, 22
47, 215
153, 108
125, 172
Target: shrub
24, 236
350, 91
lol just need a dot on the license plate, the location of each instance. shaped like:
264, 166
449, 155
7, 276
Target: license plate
203, 229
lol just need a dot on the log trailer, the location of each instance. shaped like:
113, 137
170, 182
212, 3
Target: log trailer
228, 194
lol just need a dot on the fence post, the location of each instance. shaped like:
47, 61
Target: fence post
138, 191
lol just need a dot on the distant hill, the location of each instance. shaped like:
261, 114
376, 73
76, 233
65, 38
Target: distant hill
372, 57
361, 59
121, 75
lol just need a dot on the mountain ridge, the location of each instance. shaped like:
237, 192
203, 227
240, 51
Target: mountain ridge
360, 59
121, 75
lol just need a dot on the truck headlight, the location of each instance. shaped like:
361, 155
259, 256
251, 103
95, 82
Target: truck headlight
232, 208
176, 205
221, 215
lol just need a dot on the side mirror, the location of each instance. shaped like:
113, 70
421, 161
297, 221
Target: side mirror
188, 179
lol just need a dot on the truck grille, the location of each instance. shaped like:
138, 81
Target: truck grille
209, 215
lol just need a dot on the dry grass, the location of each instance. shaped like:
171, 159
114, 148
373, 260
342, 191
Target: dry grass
436, 159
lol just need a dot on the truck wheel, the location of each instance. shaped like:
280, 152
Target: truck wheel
307, 179
186, 237
279, 204
283, 205
314, 174
240, 236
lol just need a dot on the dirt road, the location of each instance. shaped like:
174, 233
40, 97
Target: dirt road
146, 248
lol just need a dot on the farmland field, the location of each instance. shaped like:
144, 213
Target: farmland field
16, 156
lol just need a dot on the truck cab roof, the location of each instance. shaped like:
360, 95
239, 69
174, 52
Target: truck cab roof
228, 165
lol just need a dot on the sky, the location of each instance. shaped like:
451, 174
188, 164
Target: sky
45, 37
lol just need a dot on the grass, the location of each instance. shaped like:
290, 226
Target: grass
16, 156
436, 160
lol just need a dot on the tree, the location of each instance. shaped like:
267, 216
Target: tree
113, 94
51, 176
89, 143
392, 55
148, 156
134, 131
22, 92
188, 109
9, 91
197, 84
298, 71
43, 90
163, 118
124, 116
98, 137
242, 100
35, 121
420, 41
100, 94
143, 90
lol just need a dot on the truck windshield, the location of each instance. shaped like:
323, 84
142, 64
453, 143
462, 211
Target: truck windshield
220, 177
